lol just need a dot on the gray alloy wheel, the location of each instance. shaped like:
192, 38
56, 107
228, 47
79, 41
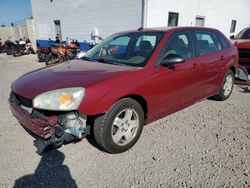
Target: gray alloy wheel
226, 87
125, 126
119, 129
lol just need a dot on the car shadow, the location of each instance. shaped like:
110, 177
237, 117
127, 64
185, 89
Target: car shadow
50, 172
91, 140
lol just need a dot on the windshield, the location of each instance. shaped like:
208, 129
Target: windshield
244, 34
132, 49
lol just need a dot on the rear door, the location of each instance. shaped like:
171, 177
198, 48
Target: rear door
211, 59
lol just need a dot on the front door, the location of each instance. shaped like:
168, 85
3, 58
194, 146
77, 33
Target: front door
177, 86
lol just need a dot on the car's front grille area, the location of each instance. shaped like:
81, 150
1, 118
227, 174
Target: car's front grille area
20, 100
244, 53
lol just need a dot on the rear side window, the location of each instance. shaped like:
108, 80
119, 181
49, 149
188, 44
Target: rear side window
207, 42
223, 43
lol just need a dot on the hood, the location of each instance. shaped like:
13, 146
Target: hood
242, 43
69, 74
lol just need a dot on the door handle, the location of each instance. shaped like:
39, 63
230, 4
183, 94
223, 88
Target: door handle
195, 65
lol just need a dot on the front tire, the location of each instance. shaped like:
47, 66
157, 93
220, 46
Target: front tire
120, 128
226, 87
41, 57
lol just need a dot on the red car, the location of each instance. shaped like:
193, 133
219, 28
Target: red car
130, 79
242, 42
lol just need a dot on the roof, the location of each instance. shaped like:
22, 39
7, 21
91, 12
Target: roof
165, 29
176, 28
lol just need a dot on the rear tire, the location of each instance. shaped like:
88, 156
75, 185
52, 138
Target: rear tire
49, 60
41, 56
226, 87
120, 128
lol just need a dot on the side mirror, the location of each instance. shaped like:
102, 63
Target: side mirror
171, 59
232, 37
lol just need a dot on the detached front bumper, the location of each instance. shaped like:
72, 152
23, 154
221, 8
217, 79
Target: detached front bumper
53, 129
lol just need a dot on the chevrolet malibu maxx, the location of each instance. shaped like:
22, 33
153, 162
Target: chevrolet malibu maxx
130, 79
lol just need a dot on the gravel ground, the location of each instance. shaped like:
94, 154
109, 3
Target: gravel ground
205, 145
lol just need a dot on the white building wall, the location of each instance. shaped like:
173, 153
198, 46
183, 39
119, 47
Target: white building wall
5, 33
79, 17
24, 29
217, 13
31, 32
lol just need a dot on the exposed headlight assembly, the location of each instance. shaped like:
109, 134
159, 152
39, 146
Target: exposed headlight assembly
60, 100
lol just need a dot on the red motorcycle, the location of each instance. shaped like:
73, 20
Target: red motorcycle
58, 52
42, 53
61, 53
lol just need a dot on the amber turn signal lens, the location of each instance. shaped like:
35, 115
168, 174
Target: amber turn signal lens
65, 98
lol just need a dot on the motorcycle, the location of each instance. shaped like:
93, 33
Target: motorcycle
43, 52
23, 49
61, 53
10, 47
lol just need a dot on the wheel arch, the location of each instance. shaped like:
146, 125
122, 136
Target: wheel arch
232, 68
141, 100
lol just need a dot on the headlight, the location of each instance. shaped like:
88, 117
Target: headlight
60, 99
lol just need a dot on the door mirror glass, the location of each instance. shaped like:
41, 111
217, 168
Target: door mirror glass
232, 37
171, 59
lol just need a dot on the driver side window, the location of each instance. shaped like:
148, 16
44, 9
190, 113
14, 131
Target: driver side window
180, 44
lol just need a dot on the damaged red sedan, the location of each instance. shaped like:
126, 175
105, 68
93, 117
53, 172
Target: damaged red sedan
130, 79
242, 42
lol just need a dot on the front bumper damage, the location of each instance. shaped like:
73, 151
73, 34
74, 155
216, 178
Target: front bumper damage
242, 76
51, 129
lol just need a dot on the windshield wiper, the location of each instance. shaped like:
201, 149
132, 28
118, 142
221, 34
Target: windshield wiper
87, 59
102, 60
